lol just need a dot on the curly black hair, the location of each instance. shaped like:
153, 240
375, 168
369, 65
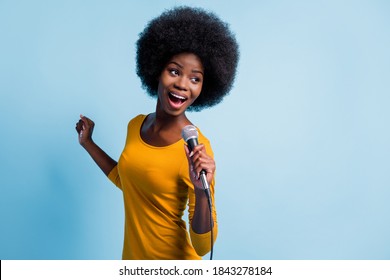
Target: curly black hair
191, 30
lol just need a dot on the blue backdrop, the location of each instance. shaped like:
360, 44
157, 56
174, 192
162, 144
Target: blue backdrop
301, 143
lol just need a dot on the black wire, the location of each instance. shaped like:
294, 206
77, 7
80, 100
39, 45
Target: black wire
211, 222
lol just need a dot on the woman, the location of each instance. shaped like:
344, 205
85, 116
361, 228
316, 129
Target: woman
187, 58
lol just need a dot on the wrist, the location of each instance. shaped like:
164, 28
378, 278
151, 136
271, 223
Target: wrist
87, 144
200, 193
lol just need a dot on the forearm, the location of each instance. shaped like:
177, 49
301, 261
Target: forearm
201, 219
104, 161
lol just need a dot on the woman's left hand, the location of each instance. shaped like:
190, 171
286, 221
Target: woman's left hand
199, 160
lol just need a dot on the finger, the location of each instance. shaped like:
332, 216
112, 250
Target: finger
188, 154
199, 151
79, 126
209, 174
198, 161
201, 157
84, 121
193, 174
196, 155
88, 123
206, 164
186, 150
199, 148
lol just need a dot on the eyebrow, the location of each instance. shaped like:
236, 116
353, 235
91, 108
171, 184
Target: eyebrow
181, 67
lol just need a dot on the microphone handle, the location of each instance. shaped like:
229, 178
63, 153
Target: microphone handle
203, 178
192, 143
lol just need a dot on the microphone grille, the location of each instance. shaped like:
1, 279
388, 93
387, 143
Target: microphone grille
188, 132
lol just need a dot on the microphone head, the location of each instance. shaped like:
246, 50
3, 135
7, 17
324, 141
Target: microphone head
189, 132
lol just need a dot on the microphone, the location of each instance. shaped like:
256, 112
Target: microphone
190, 135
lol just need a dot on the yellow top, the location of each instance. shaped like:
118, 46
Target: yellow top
156, 188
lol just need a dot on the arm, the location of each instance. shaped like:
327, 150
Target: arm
84, 128
198, 159
200, 217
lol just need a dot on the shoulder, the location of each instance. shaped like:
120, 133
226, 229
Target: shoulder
204, 140
134, 126
136, 121
202, 137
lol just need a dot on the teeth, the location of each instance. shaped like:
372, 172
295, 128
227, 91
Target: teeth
178, 96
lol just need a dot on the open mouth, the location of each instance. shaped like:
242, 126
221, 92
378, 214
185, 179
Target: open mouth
175, 99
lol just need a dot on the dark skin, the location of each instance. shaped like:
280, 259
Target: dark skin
180, 83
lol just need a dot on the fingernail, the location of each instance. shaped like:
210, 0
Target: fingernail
191, 154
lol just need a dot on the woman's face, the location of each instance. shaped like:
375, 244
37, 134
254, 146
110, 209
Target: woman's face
180, 83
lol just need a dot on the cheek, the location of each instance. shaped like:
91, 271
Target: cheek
197, 90
160, 86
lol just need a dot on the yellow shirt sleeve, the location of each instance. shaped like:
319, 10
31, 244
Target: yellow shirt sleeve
114, 177
202, 242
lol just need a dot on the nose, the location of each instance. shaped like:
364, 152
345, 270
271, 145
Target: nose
181, 83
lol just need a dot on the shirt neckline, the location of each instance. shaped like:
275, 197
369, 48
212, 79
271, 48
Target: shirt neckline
149, 145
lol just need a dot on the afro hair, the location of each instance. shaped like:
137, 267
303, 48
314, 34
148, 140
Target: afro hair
190, 30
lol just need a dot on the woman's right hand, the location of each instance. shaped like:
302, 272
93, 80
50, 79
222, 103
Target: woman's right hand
84, 128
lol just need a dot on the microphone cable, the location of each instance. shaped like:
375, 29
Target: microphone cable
207, 191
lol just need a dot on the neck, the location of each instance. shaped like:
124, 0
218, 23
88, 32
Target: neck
162, 130
163, 121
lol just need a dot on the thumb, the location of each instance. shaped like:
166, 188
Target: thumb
188, 153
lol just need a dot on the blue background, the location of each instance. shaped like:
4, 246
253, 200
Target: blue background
301, 143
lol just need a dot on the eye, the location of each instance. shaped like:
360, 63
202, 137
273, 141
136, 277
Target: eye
195, 80
173, 71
